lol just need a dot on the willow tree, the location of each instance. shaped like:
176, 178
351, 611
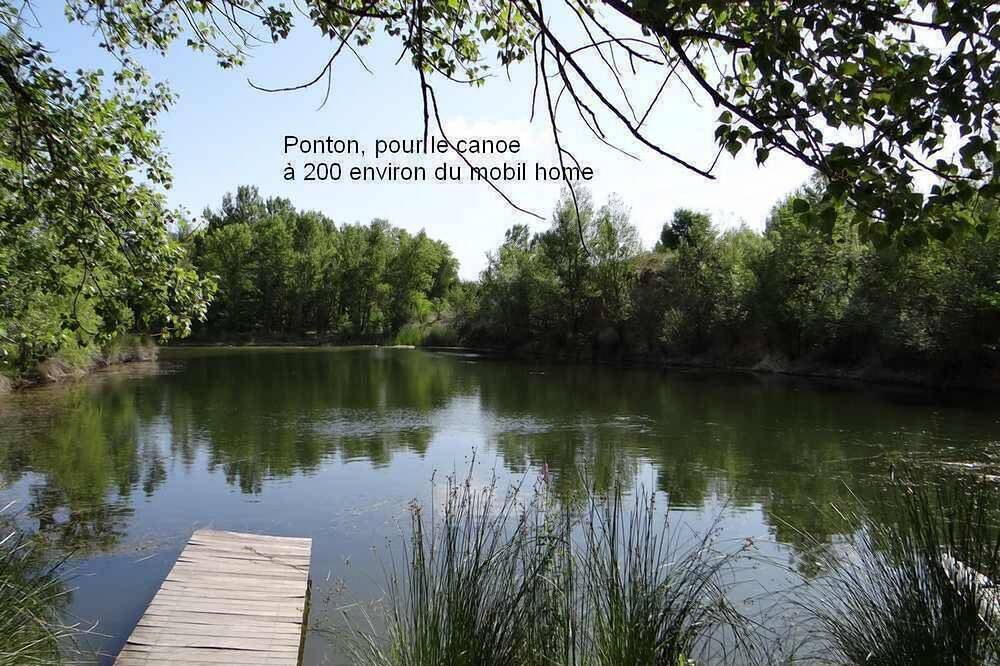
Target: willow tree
869, 93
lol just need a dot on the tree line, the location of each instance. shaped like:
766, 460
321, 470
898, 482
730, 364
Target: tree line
583, 288
282, 272
794, 293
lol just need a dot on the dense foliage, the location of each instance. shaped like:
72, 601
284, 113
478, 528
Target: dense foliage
84, 249
288, 273
791, 293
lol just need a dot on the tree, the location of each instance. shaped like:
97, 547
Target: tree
809, 278
410, 274
694, 289
274, 258
940, 302
245, 207
686, 226
85, 249
226, 253
510, 290
868, 94
615, 246
312, 253
572, 221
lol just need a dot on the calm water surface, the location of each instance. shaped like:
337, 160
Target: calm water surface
333, 445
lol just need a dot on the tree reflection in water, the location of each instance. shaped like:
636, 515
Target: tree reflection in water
90, 454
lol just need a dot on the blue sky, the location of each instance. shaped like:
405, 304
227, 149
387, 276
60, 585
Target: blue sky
222, 133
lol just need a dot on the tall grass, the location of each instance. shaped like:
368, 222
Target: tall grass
511, 580
919, 586
649, 598
465, 593
31, 598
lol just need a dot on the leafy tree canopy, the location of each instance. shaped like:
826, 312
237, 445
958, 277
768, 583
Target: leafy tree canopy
288, 272
687, 226
870, 94
84, 242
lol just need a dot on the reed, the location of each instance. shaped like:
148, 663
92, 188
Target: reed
651, 594
465, 593
518, 578
515, 579
32, 596
918, 587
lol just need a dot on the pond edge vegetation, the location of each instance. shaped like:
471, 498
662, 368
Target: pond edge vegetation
491, 578
487, 575
33, 597
792, 298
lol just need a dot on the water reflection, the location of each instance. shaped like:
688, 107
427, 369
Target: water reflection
260, 415
307, 433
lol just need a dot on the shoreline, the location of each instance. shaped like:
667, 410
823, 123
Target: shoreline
57, 371
53, 371
869, 375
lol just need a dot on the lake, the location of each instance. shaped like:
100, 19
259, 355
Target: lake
333, 444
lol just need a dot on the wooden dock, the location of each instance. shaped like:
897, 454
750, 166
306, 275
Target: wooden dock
230, 598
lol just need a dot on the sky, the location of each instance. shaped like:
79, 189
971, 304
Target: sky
222, 133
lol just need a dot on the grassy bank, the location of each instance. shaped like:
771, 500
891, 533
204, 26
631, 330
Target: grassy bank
73, 360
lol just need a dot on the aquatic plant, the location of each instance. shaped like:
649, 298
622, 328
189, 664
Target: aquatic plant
520, 578
918, 586
31, 598
464, 594
513, 578
648, 597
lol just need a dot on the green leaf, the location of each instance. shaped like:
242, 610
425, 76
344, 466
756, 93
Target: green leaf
828, 220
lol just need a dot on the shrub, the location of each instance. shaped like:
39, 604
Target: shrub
410, 334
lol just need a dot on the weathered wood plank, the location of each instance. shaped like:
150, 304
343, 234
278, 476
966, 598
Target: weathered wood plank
267, 570
246, 554
223, 592
261, 567
230, 598
288, 613
149, 656
239, 537
170, 639
212, 618
242, 546
186, 576
251, 629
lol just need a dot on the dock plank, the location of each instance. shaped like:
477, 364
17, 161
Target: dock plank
230, 598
